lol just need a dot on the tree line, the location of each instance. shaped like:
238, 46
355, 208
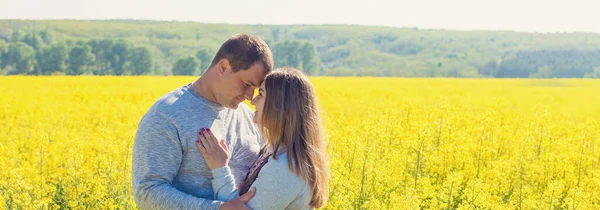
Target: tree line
134, 47
36, 53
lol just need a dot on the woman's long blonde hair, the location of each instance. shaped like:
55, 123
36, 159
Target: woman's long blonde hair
291, 120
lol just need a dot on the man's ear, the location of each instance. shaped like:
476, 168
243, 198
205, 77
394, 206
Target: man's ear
224, 65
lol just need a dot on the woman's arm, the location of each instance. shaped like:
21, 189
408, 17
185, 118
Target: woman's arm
223, 184
276, 186
216, 155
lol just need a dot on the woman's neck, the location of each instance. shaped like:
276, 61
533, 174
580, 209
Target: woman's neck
280, 150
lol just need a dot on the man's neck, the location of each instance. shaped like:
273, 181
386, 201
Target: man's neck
203, 88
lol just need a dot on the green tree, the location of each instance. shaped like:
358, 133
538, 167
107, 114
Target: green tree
489, 69
141, 60
287, 54
205, 57
293, 56
33, 40
52, 58
102, 50
119, 57
17, 36
186, 66
21, 57
5, 34
275, 32
80, 57
593, 74
542, 72
3, 52
46, 36
310, 61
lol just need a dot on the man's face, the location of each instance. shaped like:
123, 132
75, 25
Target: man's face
234, 88
259, 104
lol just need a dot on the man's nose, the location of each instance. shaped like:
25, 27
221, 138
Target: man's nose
249, 93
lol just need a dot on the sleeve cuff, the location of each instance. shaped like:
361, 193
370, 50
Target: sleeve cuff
221, 172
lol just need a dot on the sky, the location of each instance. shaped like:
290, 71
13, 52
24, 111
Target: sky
514, 15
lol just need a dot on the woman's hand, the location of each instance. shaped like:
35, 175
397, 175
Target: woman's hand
215, 152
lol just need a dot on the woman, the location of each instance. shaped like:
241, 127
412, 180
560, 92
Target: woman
291, 171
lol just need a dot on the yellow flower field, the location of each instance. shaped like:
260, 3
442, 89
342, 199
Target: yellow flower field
66, 142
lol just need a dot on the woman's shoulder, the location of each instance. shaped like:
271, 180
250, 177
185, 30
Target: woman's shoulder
278, 162
287, 183
279, 167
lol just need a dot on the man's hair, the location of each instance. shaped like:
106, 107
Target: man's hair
244, 50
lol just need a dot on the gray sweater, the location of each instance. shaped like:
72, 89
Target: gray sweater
168, 171
276, 186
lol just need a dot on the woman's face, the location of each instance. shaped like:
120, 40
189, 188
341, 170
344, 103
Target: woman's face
259, 103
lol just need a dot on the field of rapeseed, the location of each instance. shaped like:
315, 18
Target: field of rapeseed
66, 142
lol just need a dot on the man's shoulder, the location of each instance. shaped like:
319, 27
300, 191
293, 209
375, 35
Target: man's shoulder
168, 102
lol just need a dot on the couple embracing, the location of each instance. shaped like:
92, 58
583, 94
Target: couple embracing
200, 147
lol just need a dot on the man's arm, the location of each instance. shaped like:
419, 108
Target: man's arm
157, 156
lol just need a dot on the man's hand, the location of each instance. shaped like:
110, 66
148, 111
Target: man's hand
215, 152
239, 203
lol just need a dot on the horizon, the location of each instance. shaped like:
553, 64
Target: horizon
301, 24
533, 16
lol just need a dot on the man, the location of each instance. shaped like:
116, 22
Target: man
168, 170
